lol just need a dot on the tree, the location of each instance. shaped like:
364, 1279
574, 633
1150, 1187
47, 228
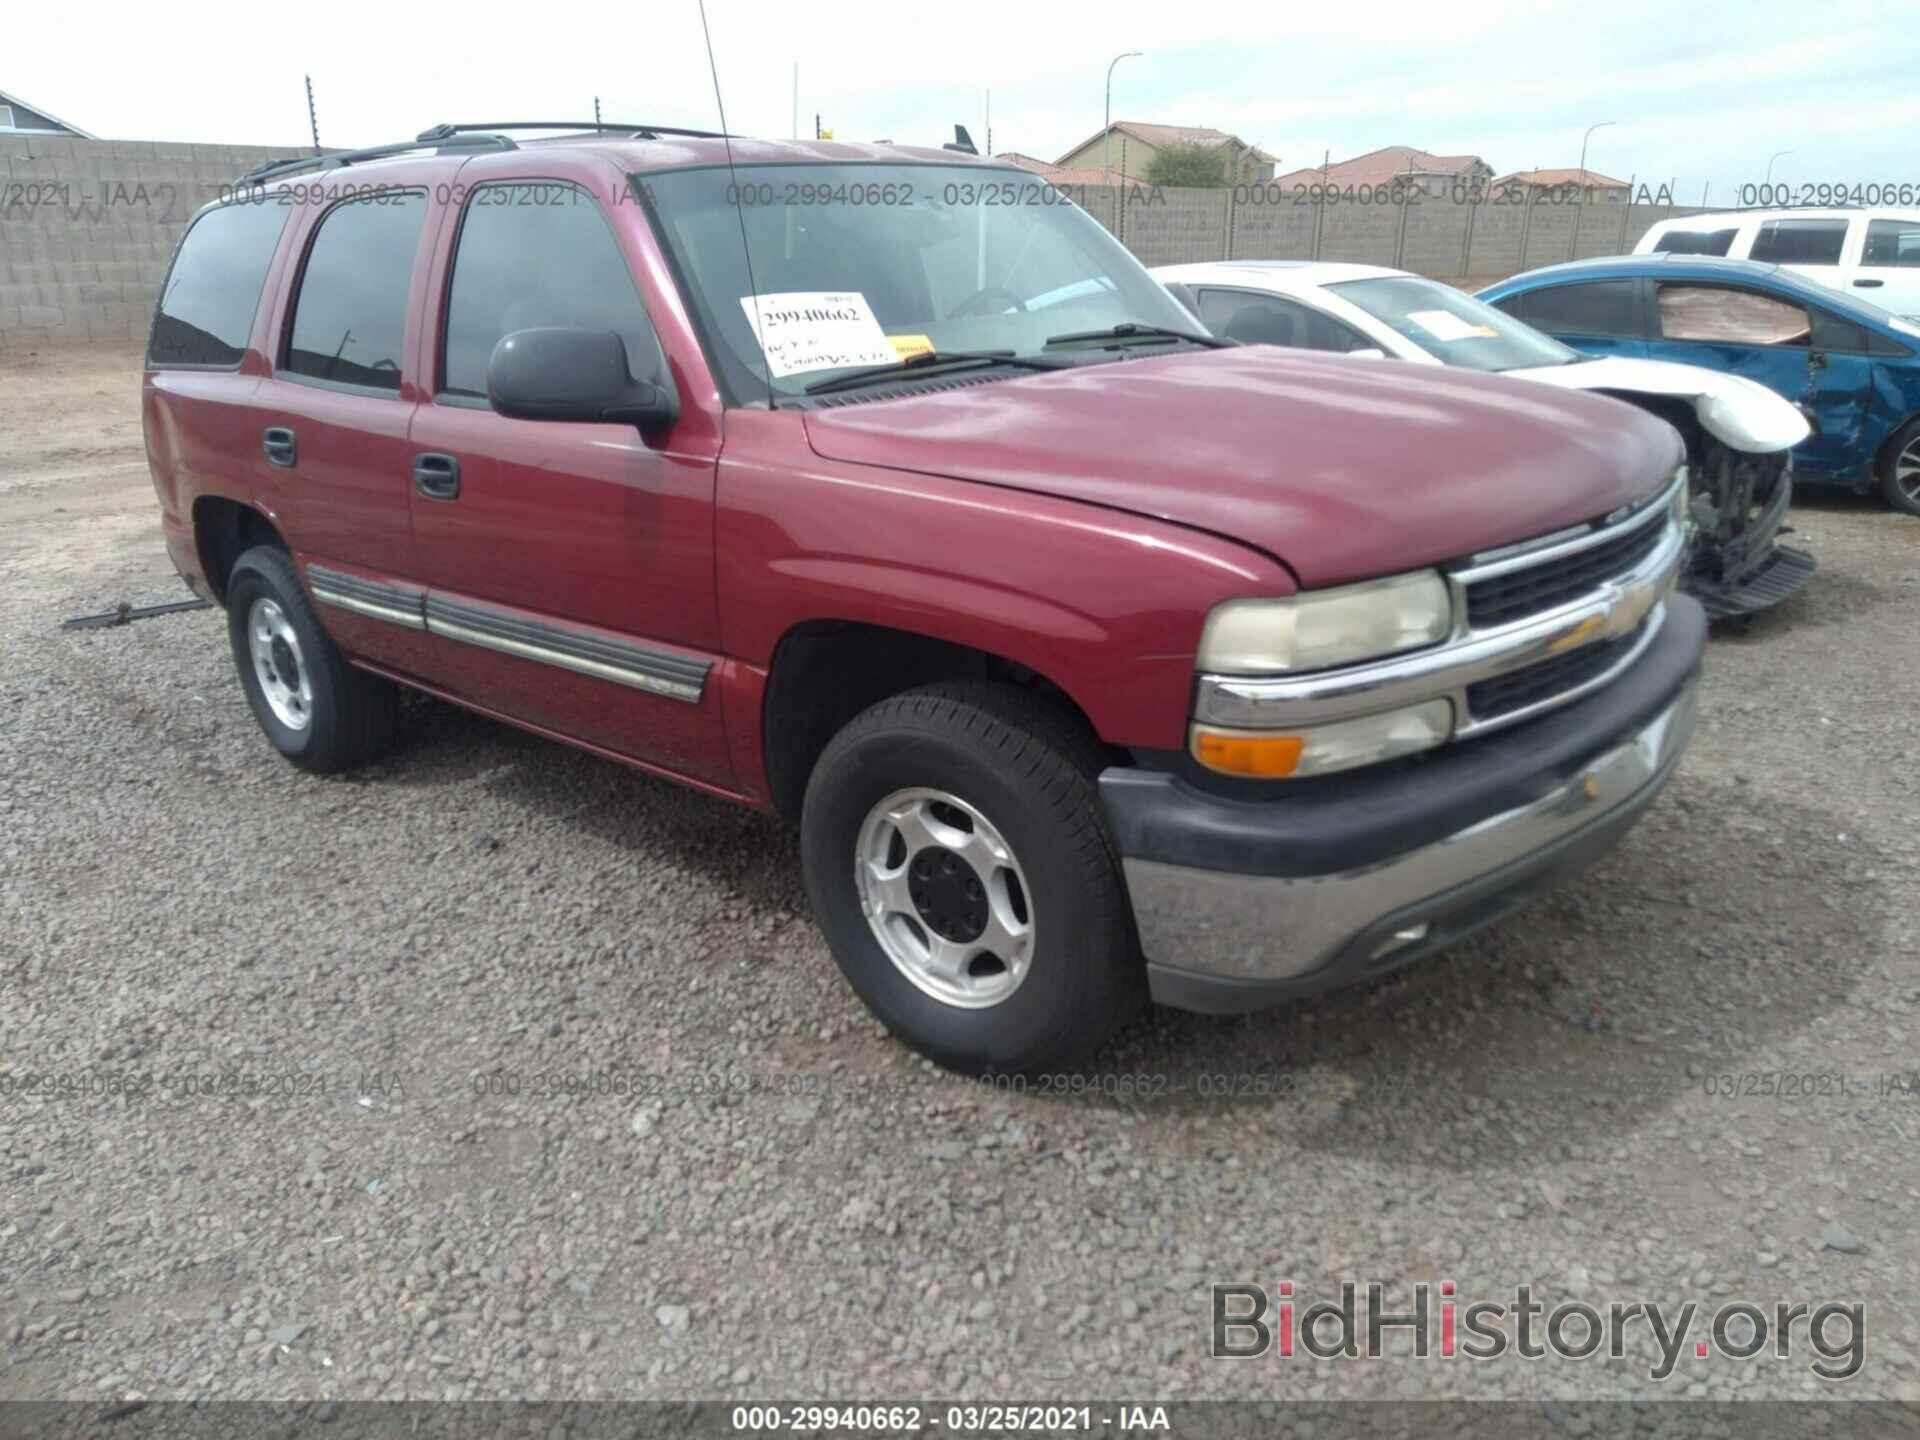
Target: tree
1195, 166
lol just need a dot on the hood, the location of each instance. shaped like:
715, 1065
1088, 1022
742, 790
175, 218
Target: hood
1344, 469
1742, 413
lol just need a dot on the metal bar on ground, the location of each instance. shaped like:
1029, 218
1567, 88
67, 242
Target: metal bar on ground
123, 614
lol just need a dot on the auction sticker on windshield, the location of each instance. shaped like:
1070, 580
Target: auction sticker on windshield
803, 330
1445, 325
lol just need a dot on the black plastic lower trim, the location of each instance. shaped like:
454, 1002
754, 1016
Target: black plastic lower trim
1787, 570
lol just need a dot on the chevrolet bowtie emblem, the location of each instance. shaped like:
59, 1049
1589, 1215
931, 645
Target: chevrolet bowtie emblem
1578, 635
1591, 785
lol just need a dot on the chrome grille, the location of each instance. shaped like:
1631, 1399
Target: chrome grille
1537, 625
1517, 594
1521, 689
1521, 583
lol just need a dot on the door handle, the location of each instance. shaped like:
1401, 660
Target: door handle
1869, 284
437, 476
279, 445
1817, 360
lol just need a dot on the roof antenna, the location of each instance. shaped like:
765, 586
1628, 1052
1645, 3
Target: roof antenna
313, 116
739, 210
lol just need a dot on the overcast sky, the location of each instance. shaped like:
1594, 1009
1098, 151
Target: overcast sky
1697, 93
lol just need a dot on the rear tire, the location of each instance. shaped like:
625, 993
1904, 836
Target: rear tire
1900, 471
949, 824
319, 712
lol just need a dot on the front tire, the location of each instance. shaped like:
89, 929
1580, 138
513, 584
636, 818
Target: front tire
1900, 472
319, 712
960, 865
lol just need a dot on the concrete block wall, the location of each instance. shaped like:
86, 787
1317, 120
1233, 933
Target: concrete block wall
87, 228
1435, 236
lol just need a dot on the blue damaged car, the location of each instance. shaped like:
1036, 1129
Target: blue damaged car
1853, 367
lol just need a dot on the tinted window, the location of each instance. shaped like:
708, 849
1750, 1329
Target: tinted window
1695, 242
1600, 307
1800, 242
1893, 242
1830, 332
1269, 320
206, 311
1719, 315
534, 255
351, 313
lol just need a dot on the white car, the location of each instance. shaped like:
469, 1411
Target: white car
1738, 432
1871, 254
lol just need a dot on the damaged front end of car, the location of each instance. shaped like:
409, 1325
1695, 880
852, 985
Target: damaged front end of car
1738, 502
1740, 484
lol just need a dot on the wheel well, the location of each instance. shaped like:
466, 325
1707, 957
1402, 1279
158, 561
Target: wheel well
1883, 457
1676, 411
224, 530
826, 672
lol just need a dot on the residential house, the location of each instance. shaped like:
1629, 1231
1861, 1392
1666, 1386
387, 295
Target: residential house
18, 117
1436, 175
1128, 146
1068, 176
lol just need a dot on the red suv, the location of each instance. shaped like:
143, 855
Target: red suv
883, 489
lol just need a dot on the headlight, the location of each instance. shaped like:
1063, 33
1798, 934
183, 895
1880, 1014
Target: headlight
1680, 509
1320, 749
1322, 628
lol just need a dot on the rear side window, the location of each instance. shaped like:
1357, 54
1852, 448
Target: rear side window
1830, 332
1800, 242
533, 255
206, 311
1695, 242
1893, 242
1717, 315
1269, 320
351, 313
1599, 307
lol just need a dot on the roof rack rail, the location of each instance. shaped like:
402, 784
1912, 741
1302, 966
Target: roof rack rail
438, 143
638, 132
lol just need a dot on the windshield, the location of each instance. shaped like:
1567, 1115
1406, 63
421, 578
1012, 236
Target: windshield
1454, 328
864, 265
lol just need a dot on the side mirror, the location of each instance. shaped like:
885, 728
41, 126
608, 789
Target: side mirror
569, 374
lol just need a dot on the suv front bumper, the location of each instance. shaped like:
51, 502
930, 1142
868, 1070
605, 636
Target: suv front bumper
1240, 904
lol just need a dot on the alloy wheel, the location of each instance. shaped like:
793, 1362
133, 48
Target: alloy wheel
279, 665
945, 897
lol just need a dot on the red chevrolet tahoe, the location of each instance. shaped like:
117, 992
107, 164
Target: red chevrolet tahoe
881, 488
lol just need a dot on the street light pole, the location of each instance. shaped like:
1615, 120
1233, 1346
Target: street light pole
1573, 245
1106, 151
1776, 155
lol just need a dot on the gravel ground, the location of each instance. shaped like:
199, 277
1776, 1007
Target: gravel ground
459, 955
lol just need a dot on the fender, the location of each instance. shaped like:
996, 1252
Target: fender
1023, 576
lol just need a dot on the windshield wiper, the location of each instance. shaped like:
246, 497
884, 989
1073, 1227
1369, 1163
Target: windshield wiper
937, 359
1150, 334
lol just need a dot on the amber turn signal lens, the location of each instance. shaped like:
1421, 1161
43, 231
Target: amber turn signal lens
1264, 757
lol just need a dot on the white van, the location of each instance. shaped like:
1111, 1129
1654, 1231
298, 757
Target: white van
1873, 255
